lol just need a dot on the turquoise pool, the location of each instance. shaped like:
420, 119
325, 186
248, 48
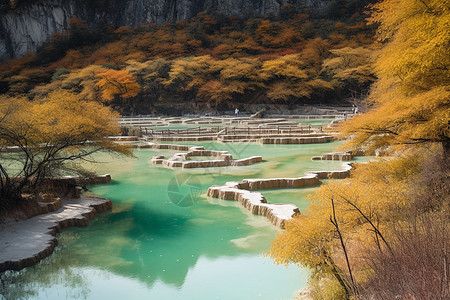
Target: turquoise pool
164, 239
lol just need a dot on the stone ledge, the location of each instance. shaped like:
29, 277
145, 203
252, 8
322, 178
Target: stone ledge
222, 159
340, 174
255, 202
342, 156
25, 243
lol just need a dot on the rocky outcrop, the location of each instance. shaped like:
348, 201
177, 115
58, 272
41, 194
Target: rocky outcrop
24, 29
343, 156
70, 186
340, 174
25, 243
224, 130
30, 23
49, 204
181, 160
253, 134
258, 138
99, 179
276, 183
255, 202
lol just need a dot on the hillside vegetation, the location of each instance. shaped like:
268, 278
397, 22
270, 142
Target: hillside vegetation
209, 62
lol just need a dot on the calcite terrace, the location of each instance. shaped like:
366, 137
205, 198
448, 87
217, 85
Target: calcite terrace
26, 242
222, 159
255, 202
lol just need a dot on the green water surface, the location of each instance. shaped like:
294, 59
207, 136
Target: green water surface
164, 239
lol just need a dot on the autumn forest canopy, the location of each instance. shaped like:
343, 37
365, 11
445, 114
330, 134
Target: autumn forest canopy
207, 62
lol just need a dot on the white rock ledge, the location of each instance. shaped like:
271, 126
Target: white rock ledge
24, 243
180, 160
340, 174
255, 202
342, 156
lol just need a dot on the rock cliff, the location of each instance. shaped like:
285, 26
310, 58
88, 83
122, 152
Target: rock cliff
30, 23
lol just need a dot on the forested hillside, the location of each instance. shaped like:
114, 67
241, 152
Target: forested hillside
208, 62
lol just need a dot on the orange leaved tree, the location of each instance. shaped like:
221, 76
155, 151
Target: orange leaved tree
117, 85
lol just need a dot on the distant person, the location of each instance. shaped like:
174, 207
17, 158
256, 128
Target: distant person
236, 112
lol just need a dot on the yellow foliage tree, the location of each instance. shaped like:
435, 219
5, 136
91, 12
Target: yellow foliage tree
288, 79
242, 69
119, 83
151, 76
26, 80
50, 135
216, 92
353, 65
350, 220
189, 74
362, 206
236, 77
412, 96
83, 81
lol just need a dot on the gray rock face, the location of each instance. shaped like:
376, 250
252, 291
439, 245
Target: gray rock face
25, 29
29, 25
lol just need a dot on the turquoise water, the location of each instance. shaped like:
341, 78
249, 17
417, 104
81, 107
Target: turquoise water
164, 239
294, 196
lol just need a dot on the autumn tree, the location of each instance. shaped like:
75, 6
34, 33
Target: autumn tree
27, 79
289, 37
411, 97
189, 74
83, 48
216, 93
236, 77
49, 137
266, 33
236, 44
117, 84
289, 80
151, 76
364, 207
82, 81
351, 71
